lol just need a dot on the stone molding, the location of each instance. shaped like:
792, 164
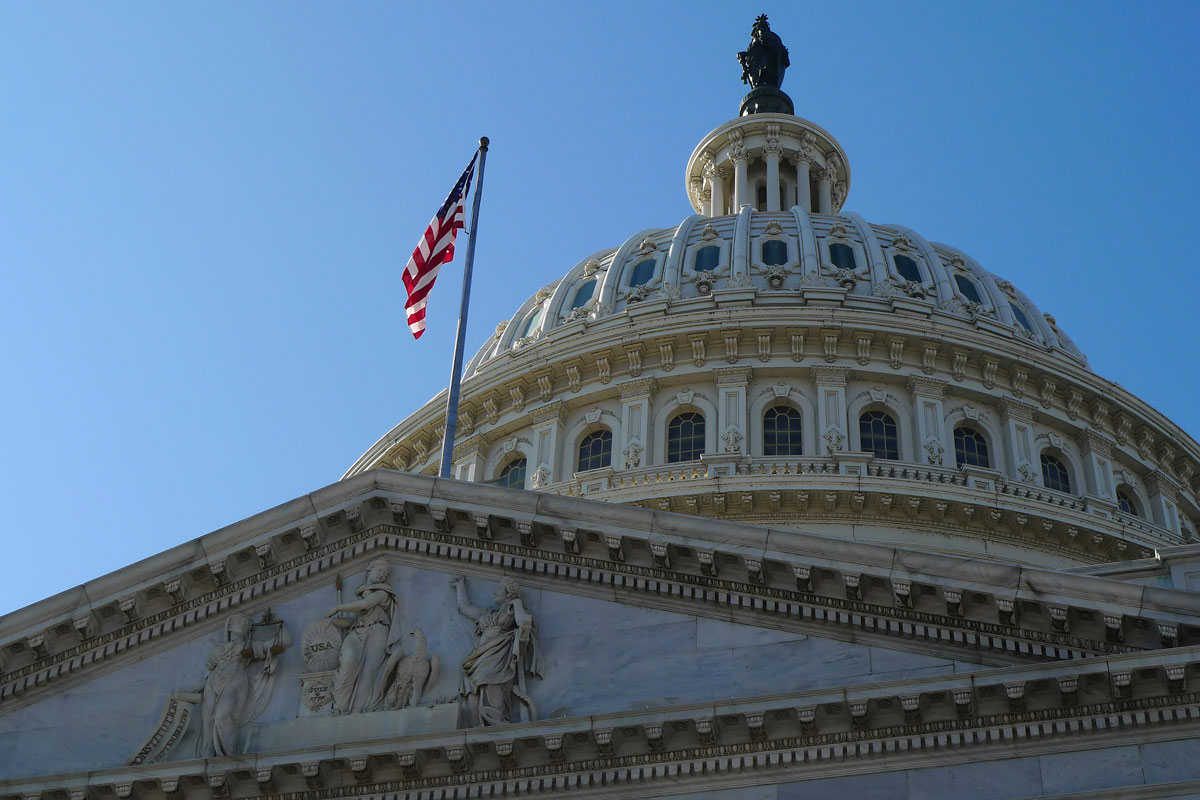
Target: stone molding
389, 505
1058, 707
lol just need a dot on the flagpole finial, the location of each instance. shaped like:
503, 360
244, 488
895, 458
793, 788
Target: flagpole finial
484, 142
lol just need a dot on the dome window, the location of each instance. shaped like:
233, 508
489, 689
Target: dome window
968, 289
1054, 474
781, 432
774, 253
583, 294
878, 435
685, 438
531, 324
595, 451
513, 474
970, 448
642, 273
908, 269
842, 256
707, 258
1126, 503
1022, 320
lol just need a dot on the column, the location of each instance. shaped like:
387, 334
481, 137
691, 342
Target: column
1097, 464
929, 422
547, 429
803, 162
824, 194
741, 178
715, 176
1018, 440
831, 408
630, 446
733, 433
772, 155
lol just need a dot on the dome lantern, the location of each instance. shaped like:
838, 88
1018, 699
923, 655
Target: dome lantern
768, 158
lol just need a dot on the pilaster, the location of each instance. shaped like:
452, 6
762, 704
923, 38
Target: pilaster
1018, 439
1097, 464
547, 430
929, 423
732, 425
1164, 494
630, 449
469, 456
831, 407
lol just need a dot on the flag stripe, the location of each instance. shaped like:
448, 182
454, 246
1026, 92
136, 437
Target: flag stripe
434, 248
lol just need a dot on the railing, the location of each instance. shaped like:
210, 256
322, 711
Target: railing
623, 483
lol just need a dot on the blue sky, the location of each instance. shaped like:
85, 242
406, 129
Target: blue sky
205, 207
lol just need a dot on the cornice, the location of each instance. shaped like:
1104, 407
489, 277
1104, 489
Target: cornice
711, 568
1060, 707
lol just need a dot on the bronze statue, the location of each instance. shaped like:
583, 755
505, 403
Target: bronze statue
766, 59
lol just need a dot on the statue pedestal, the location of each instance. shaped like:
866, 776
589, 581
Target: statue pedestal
323, 728
766, 100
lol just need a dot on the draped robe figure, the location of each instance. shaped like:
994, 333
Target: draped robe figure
238, 687
374, 634
505, 653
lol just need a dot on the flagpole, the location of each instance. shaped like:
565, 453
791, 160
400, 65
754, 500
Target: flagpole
456, 373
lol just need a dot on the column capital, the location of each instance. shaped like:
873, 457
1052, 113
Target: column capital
733, 376
926, 387
551, 412
1092, 441
1015, 410
477, 444
1158, 482
830, 376
636, 390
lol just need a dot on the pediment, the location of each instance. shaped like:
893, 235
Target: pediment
635, 611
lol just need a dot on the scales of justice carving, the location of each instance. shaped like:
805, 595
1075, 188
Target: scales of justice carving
237, 689
764, 63
359, 659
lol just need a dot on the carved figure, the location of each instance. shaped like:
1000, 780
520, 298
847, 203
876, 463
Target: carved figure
766, 60
505, 655
373, 635
410, 676
732, 439
633, 455
237, 689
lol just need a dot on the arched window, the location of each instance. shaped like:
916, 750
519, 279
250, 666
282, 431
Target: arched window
878, 435
970, 448
908, 269
781, 432
513, 474
968, 289
774, 252
842, 256
531, 324
1126, 502
583, 294
642, 273
595, 451
762, 197
1054, 474
1022, 320
707, 258
685, 437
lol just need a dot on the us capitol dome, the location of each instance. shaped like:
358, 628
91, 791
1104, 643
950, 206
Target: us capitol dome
776, 358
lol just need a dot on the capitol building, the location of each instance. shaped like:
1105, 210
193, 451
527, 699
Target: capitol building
777, 503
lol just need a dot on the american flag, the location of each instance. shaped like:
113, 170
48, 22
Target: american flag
435, 248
